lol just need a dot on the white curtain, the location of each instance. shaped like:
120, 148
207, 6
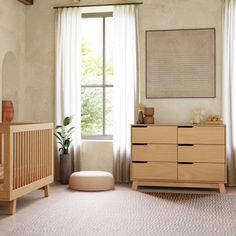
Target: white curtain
229, 87
125, 71
68, 73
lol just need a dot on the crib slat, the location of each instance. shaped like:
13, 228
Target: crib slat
17, 159
33, 155
1, 139
14, 160
40, 150
27, 158
38, 155
43, 153
47, 154
21, 157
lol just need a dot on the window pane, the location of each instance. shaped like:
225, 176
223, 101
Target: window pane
109, 50
109, 111
92, 50
91, 111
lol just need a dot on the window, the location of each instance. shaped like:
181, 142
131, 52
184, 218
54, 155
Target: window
97, 76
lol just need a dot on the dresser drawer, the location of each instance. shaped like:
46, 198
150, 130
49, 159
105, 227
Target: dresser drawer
154, 134
154, 171
201, 172
202, 153
154, 152
201, 135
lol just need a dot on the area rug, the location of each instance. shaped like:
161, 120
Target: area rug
129, 213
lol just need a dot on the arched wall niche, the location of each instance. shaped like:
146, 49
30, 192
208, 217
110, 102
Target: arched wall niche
10, 81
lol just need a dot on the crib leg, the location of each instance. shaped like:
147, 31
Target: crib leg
12, 207
46, 190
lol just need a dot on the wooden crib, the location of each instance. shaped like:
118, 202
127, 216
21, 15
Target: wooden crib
26, 160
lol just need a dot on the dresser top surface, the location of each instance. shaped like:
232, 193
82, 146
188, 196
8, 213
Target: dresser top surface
181, 124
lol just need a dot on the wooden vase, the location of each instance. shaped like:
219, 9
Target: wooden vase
140, 118
7, 111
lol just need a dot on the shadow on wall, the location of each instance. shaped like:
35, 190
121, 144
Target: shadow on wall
10, 81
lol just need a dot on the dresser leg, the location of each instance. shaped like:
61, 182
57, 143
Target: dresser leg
222, 188
135, 186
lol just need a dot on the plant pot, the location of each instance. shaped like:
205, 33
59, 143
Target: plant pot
7, 111
65, 168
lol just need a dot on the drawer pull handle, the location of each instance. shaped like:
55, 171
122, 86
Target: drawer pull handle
140, 144
186, 145
185, 163
139, 126
186, 126
139, 161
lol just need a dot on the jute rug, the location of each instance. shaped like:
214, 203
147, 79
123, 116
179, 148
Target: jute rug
125, 212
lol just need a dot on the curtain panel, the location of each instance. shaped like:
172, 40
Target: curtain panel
68, 74
229, 87
125, 71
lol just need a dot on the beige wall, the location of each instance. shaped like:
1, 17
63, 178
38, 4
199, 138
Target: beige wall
12, 53
38, 82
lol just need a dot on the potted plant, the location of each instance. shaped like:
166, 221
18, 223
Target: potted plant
63, 134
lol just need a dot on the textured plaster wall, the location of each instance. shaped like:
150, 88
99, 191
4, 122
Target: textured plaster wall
12, 44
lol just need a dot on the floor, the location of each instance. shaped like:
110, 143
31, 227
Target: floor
33, 203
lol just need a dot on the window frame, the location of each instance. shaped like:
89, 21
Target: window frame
103, 136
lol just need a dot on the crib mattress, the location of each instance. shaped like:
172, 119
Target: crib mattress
1, 174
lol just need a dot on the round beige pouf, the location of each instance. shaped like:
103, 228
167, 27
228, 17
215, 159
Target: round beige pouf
91, 181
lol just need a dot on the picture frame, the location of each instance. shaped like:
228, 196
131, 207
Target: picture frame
181, 63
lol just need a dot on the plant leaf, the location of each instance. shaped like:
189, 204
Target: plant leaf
58, 137
67, 120
70, 132
58, 126
60, 143
67, 143
71, 129
61, 135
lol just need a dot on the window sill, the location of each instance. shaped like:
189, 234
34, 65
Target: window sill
96, 140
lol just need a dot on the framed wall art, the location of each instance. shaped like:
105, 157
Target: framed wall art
180, 63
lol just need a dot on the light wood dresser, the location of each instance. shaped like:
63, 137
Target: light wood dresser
178, 156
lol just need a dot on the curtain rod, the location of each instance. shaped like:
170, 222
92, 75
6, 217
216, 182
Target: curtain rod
101, 5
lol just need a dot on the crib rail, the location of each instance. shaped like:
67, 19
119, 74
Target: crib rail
27, 157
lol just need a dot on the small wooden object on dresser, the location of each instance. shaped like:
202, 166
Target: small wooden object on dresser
149, 115
179, 156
